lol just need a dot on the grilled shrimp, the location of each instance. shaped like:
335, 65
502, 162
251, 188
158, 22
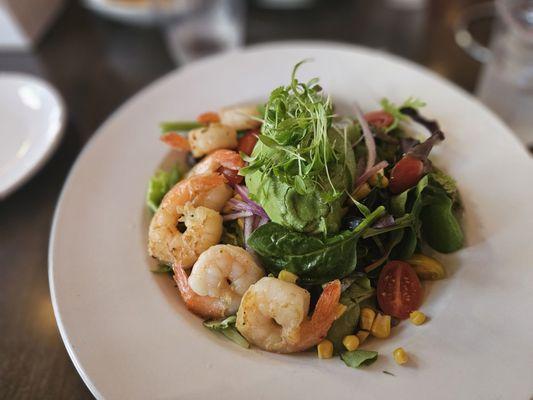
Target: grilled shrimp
215, 136
273, 315
240, 117
195, 201
226, 159
218, 280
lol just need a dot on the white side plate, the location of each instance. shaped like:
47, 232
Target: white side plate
32, 117
128, 332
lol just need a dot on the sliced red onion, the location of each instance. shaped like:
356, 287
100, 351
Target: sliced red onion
247, 231
369, 172
369, 139
385, 222
237, 215
254, 207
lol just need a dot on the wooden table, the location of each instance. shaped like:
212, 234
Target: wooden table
96, 65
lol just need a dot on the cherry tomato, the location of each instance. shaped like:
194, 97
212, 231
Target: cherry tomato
380, 119
399, 291
248, 141
406, 174
232, 175
208, 117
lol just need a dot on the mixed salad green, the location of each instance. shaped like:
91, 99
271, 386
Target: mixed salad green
351, 198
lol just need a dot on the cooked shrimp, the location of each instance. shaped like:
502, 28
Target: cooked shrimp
240, 117
227, 159
273, 315
212, 137
196, 201
218, 280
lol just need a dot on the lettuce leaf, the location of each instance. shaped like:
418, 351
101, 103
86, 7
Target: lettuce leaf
159, 185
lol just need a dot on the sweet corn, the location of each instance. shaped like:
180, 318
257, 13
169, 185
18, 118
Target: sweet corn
367, 318
381, 326
400, 356
362, 335
341, 308
379, 179
427, 268
351, 342
361, 192
324, 349
287, 276
417, 317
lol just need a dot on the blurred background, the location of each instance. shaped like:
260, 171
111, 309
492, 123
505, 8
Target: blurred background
98, 53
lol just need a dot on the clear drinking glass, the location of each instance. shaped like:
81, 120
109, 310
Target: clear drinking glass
506, 83
211, 26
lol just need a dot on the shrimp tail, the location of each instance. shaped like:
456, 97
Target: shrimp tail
203, 306
318, 326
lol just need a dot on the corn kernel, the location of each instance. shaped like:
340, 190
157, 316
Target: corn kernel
427, 268
324, 349
287, 276
361, 192
341, 308
400, 356
351, 342
379, 179
362, 335
367, 318
417, 317
381, 326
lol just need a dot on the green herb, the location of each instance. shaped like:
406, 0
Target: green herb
314, 259
179, 126
227, 328
296, 144
346, 324
388, 373
159, 185
359, 358
394, 110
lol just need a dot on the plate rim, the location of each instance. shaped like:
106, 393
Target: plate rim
271, 45
48, 150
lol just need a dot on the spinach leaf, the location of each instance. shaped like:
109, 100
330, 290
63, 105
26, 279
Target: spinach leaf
227, 328
159, 185
346, 324
359, 358
314, 259
440, 228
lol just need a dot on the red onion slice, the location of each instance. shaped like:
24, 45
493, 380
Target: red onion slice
369, 139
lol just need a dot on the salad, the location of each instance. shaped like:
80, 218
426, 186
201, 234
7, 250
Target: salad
296, 228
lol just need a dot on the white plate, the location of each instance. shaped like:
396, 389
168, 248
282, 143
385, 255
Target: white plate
128, 332
140, 12
32, 116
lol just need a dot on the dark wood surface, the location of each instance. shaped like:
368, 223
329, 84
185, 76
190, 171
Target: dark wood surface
96, 65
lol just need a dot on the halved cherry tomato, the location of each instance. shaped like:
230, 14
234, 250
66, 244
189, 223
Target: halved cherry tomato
406, 174
232, 175
399, 291
208, 117
380, 119
248, 141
